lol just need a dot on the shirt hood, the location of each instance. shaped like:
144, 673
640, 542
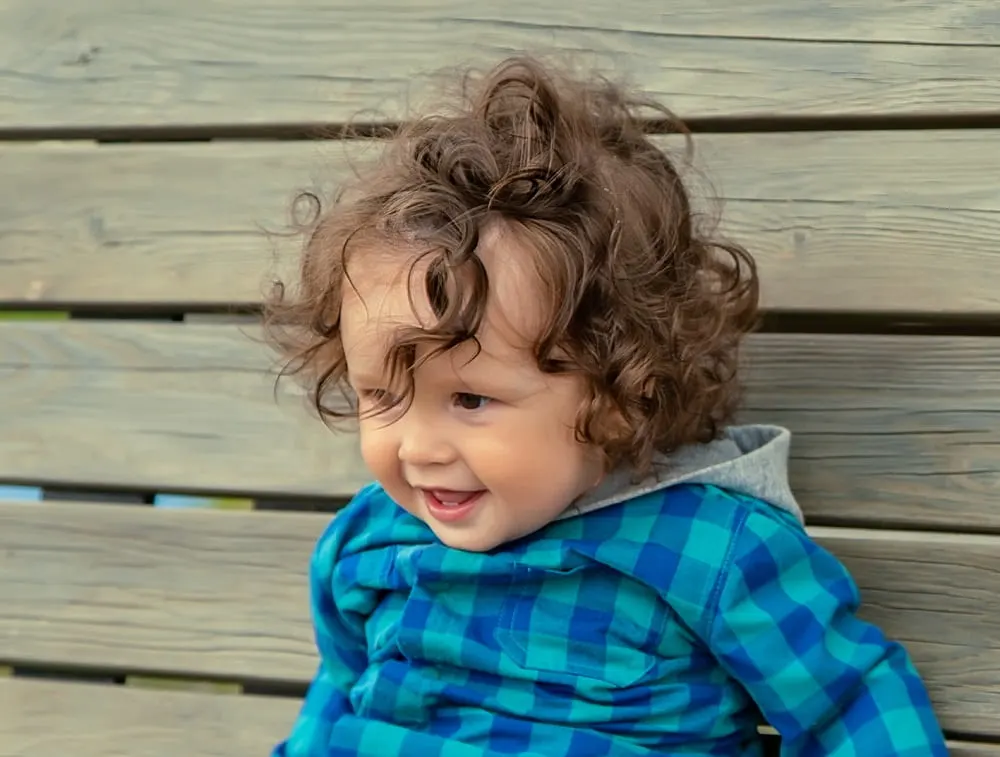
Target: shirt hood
750, 459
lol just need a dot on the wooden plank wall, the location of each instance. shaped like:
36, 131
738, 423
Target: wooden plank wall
144, 150
112, 65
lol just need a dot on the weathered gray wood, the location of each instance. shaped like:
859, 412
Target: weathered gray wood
111, 63
172, 409
917, 585
839, 221
972, 749
900, 430
55, 719
223, 595
50, 719
154, 224
207, 593
886, 430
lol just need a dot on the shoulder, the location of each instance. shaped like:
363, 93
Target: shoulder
353, 554
694, 520
774, 566
367, 507
341, 565
684, 541
370, 520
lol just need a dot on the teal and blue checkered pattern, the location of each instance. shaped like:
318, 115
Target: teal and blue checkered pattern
666, 625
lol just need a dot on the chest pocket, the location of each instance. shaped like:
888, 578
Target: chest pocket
586, 621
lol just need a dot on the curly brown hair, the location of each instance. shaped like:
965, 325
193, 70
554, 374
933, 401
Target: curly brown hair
648, 308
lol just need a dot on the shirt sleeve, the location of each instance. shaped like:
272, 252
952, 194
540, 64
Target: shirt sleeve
784, 625
342, 653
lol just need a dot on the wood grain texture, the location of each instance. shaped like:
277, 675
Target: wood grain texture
967, 749
915, 586
147, 402
169, 62
210, 594
838, 221
54, 719
223, 595
886, 430
890, 430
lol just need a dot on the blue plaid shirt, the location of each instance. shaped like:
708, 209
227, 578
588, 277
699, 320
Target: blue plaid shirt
665, 625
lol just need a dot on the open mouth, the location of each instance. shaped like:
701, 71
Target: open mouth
450, 505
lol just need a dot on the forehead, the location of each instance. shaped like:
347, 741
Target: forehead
382, 295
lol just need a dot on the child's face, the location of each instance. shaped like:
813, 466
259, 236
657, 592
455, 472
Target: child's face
485, 453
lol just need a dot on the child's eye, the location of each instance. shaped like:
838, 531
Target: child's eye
469, 401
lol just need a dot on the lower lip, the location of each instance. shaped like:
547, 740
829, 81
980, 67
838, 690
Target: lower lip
450, 513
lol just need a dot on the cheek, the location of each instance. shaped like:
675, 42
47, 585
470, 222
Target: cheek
538, 445
378, 450
554, 447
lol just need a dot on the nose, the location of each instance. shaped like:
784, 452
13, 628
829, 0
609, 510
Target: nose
423, 443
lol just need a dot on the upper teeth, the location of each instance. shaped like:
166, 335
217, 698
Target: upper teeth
451, 498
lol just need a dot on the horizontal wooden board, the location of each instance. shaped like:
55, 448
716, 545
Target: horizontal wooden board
839, 222
886, 430
109, 63
202, 593
55, 719
891, 430
157, 407
181, 592
973, 749
965, 749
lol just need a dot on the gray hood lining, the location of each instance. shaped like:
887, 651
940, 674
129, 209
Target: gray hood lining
750, 459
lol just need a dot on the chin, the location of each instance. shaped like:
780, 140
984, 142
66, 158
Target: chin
467, 542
